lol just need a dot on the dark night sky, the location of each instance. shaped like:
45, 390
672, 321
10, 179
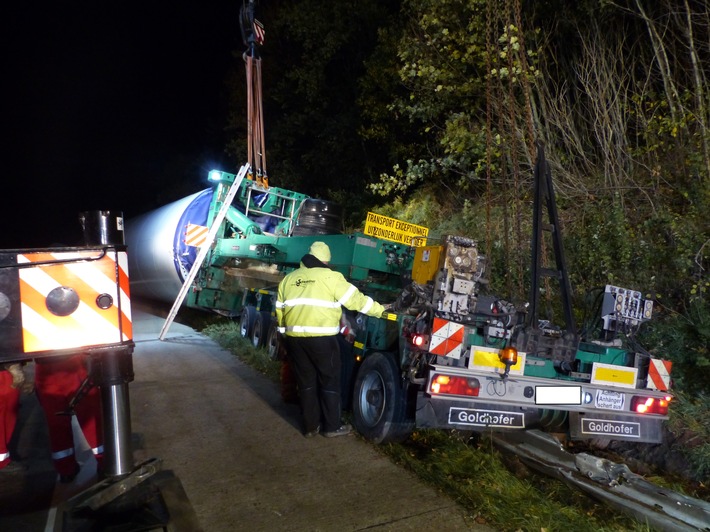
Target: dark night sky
99, 98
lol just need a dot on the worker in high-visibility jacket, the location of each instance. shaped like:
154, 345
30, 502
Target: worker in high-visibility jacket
308, 309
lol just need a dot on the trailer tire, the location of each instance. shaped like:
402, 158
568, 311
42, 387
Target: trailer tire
246, 321
272, 341
379, 401
260, 329
318, 217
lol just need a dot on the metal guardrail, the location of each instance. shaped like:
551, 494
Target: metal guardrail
613, 484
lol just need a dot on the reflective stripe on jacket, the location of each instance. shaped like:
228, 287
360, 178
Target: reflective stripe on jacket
309, 302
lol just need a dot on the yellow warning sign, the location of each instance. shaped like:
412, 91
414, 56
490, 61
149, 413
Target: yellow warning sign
614, 375
395, 230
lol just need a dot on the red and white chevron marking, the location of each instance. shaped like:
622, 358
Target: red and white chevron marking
446, 338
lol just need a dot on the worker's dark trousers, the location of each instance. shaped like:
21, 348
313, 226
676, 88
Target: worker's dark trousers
316, 363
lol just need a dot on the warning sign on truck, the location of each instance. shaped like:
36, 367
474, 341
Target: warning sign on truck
395, 230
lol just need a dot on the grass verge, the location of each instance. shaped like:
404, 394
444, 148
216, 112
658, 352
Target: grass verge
499, 489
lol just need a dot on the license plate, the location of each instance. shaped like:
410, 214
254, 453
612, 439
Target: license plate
609, 400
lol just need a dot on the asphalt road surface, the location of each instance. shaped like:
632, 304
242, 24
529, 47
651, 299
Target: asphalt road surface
233, 453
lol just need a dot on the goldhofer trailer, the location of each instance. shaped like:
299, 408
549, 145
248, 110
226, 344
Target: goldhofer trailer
448, 354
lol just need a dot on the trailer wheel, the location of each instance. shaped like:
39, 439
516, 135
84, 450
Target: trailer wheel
272, 341
260, 330
379, 406
246, 321
318, 217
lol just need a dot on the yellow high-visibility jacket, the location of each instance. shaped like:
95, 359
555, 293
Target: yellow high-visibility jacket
309, 302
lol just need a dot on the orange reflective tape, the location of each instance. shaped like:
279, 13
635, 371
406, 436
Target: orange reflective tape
42, 330
88, 324
123, 284
123, 281
65, 275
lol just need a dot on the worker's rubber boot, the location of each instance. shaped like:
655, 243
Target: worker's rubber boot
343, 430
310, 408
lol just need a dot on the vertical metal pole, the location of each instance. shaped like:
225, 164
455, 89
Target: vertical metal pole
115, 365
536, 243
116, 372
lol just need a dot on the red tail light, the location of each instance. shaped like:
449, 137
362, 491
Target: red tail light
453, 385
419, 340
650, 405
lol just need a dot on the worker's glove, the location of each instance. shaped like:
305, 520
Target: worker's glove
18, 376
388, 309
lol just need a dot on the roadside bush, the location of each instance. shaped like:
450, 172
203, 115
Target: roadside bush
684, 339
690, 424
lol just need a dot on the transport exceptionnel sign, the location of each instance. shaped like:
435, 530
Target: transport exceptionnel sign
395, 230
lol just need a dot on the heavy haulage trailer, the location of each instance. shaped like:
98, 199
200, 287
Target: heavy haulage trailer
448, 354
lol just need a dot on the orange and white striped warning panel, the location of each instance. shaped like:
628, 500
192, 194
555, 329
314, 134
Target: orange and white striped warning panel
195, 235
659, 375
73, 299
446, 338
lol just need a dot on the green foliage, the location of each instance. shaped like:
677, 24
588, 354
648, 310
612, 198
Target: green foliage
392, 97
684, 339
442, 211
441, 66
601, 246
690, 423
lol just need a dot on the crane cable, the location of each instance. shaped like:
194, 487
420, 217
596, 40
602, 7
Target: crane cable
492, 22
253, 34
525, 81
513, 143
525, 85
256, 152
250, 110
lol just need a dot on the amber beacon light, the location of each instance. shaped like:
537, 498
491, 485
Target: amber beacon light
509, 357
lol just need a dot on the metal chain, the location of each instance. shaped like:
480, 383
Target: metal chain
530, 127
514, 152
524, 80
489, 132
